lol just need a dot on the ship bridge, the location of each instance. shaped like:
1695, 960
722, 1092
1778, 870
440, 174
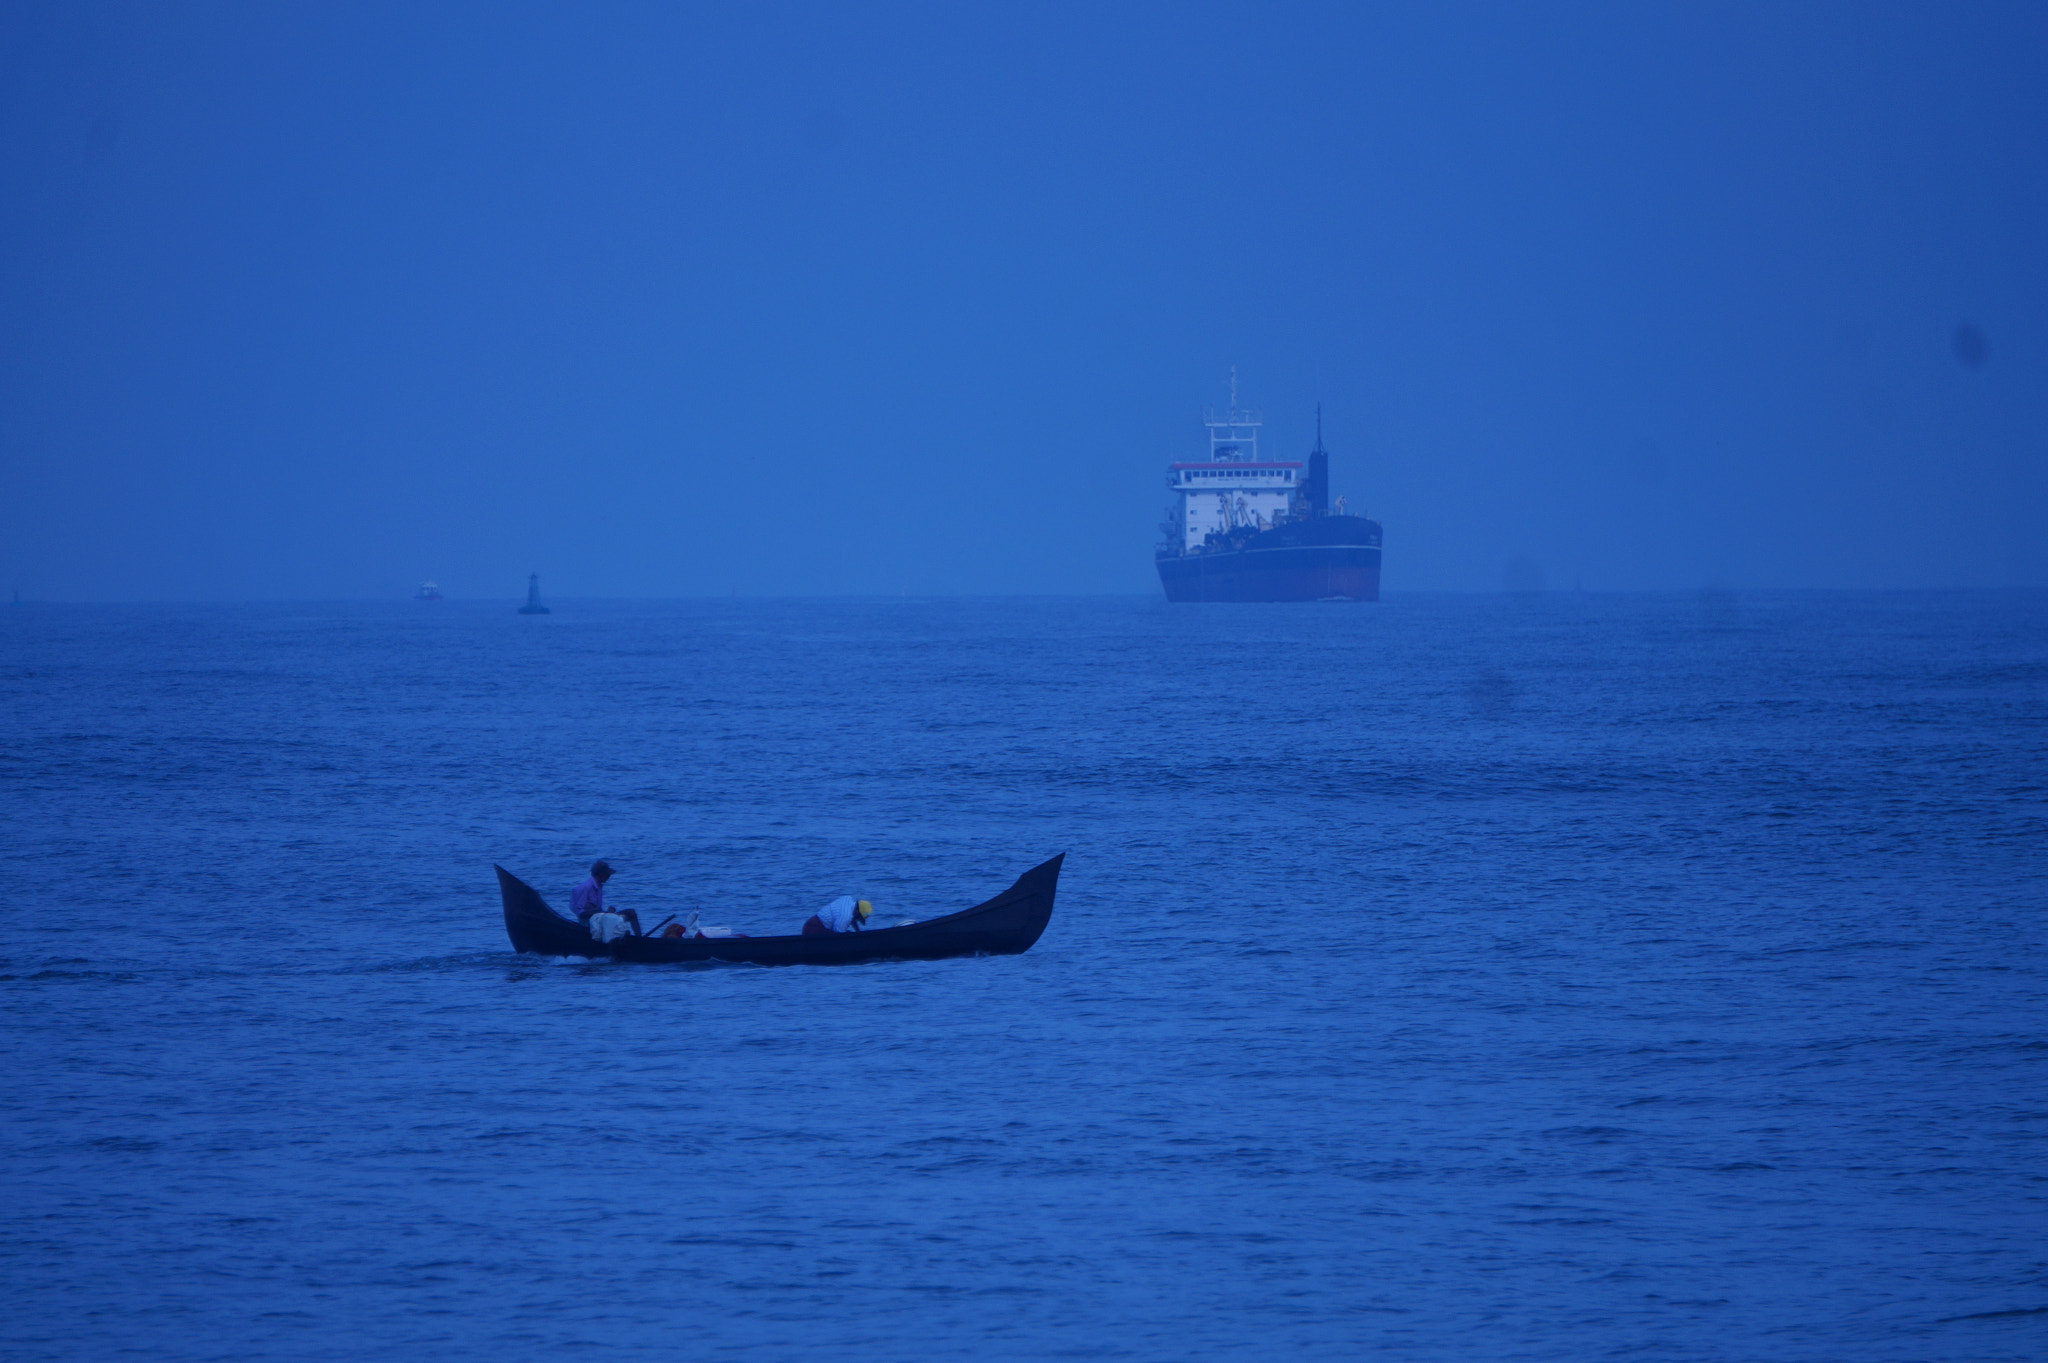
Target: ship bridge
1234, 488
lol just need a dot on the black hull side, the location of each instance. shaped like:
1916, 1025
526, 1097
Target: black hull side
1003, 926
1331, 558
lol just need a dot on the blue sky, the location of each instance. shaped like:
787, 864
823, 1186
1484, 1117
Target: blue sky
318, 302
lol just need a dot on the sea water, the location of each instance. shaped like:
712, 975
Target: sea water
1547, 977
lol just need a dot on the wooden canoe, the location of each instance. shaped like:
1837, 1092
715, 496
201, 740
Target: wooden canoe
1002, 926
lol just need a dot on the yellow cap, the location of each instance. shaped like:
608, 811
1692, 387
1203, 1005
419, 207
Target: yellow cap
863, 908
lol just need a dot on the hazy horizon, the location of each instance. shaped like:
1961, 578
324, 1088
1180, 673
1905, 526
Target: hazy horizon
1712, 595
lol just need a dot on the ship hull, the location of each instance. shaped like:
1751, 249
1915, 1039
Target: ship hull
1340, 563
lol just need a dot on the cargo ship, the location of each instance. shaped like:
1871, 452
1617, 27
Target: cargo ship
1246, 529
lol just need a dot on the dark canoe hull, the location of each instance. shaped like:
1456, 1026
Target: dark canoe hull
1002, 926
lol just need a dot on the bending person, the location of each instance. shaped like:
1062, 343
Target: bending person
844, 914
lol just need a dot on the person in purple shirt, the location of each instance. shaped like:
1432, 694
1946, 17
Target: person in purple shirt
588, 898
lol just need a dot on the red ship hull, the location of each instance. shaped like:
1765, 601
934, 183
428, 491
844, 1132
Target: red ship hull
1335, 558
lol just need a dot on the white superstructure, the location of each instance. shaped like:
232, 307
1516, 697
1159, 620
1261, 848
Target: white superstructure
1235, 488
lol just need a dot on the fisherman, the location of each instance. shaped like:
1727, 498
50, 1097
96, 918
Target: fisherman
588, 898
844, 914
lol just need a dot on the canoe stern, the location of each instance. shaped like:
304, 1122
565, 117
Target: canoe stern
534, 927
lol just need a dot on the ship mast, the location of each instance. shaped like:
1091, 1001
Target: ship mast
1234, 438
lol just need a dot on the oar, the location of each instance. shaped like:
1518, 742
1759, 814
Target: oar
662, 924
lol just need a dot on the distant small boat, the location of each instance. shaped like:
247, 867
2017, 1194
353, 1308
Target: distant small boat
1003, 926
427, 592
533, 605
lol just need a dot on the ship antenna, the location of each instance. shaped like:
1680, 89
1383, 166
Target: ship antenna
1233, 392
